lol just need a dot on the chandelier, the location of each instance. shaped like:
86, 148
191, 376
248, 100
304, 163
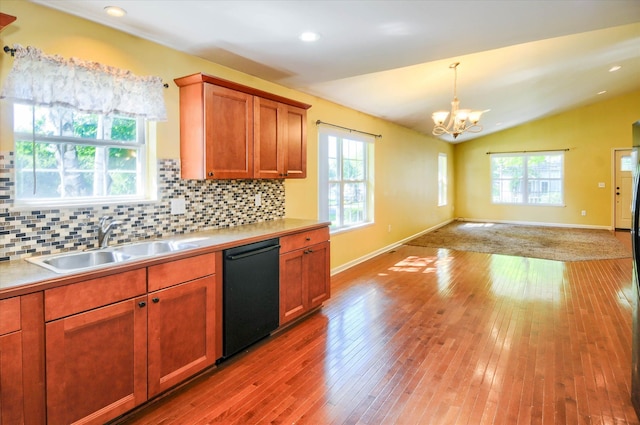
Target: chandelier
460, 120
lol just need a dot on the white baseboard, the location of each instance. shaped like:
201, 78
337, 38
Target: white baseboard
385, 249
536, 223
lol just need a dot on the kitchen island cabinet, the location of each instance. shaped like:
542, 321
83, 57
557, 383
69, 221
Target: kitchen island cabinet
304, 273
22, 360
231, 131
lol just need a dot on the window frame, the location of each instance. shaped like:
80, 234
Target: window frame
139, 145
527, 181
324, 134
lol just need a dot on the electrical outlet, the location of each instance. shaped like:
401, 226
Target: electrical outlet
601, 185
584, 212
389, 229
178, 206
258, 199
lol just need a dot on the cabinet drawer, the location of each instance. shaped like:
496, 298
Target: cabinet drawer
304, 239
83, 296
178, 271
9, 315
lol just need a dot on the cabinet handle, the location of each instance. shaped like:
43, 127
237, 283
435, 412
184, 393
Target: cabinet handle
155, 300
308, 251
142, 304
210, 173
308, 239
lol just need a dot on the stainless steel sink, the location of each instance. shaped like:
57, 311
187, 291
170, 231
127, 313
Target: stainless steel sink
104, 257
78, 261
152, 248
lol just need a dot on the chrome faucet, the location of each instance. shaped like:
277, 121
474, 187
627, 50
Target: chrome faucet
105, 226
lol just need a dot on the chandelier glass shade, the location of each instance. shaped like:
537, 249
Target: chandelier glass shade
460, 120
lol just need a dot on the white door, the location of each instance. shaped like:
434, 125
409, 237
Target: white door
624, 188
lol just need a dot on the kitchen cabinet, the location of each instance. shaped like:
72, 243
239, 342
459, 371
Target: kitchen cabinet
280, 140
96, 348
22, 360
231, 131
183, 314
116, 341
304, 273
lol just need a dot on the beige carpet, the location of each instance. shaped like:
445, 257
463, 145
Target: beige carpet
552, 243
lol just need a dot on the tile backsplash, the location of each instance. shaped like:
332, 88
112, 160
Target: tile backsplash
209, 205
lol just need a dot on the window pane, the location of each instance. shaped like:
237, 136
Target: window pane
344, 185
85, 126
442, 179
71, 159
334, 167
353, 169
334, 199
527, 178
123, 129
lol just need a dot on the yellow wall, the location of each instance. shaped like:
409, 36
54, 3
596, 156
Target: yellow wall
405, 161
591, 133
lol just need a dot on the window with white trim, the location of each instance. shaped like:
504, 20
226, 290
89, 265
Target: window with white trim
442, 179
345, 178
65, 156
535, 178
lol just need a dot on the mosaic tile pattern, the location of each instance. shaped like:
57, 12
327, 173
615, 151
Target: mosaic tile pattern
209, 205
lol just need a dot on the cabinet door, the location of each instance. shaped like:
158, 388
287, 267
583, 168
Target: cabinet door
269, 148
292, 286
22, 360
182, 336
304, 280
317, 265
228, 133
295, 141
11, 385
96, 363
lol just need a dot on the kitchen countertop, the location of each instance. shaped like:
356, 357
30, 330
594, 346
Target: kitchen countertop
21, 277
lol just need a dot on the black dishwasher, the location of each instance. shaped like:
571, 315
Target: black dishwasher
251, 294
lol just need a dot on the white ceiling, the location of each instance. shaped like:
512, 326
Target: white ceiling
522, 59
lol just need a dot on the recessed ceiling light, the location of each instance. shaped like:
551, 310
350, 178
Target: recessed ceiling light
115, 11
602, 92
309, 36
614, 68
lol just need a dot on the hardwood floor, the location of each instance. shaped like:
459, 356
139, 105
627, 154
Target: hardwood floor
431, 336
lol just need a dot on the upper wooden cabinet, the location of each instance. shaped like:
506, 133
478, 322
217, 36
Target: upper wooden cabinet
231, 131
5, 20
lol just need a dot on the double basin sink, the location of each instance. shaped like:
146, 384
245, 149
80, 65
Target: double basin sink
89, 260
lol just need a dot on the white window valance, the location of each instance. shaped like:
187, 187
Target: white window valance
44, 80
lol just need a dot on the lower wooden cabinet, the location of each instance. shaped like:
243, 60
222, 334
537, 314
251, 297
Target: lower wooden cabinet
304, 279
111, 345
97, 363
90, 351
181, 332
22, 397
11, 386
